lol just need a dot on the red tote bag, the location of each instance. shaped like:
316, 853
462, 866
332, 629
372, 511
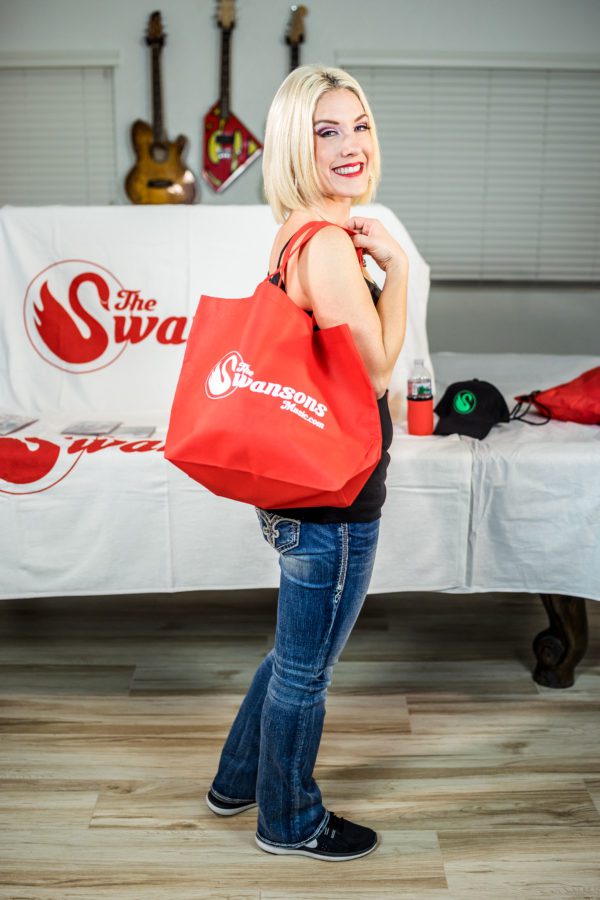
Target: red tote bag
269, 412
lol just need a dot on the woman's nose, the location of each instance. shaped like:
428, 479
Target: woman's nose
350, 144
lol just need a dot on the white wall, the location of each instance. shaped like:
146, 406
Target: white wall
260, 62
260, 56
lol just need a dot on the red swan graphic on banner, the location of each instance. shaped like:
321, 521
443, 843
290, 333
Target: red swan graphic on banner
40, 464
58, 330
21, 463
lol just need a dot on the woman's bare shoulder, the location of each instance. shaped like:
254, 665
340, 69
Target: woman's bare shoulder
330, 247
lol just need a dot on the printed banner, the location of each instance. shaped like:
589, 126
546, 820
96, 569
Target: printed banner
97, 306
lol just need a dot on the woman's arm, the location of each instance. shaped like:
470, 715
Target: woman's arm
331, 278
391, 309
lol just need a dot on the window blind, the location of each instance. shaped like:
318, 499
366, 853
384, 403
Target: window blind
494, 171
57, 135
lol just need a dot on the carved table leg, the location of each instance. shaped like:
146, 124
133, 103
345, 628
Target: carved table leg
561, 646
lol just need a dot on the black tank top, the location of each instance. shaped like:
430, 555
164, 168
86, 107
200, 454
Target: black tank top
367, 505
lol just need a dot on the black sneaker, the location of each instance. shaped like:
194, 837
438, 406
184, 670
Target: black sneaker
338, 841
227, 807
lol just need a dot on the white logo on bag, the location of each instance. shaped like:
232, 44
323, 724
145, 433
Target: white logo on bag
220, 382
231, 373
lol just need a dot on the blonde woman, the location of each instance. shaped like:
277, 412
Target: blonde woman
321, 156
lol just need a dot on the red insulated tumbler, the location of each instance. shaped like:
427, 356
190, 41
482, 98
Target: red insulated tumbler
419, 400
420, 415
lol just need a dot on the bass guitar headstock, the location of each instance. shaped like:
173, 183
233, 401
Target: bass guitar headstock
155, 36
226, 14
295, 31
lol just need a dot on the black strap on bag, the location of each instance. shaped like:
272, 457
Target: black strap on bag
515, 412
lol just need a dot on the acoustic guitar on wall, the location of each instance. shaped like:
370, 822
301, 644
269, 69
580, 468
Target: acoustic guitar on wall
295, 34
229, 147
159, 174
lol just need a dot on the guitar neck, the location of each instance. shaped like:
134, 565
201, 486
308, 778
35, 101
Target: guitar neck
225, 105
157, 114
295, 34
294, 56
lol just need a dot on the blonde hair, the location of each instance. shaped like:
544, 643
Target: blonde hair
288, 163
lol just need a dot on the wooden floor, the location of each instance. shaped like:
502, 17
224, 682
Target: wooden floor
113, 712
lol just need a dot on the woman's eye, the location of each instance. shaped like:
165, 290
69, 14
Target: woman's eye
363, 127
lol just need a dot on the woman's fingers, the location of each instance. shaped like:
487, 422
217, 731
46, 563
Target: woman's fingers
374, 240
361, 240
354, 223
359, 223
369, 232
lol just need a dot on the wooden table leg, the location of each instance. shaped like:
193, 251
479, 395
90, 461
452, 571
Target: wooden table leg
561, 646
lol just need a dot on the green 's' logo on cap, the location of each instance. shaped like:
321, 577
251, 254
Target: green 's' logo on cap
464, 402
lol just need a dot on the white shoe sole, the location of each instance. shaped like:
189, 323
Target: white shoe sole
227, 812
296, 851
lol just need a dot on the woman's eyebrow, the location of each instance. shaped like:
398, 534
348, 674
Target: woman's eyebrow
333, 122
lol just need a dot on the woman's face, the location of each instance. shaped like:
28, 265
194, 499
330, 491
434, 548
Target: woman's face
343, 145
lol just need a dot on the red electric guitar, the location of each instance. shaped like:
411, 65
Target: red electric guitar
228, 145
295, 34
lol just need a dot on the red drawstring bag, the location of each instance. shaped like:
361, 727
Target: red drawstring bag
575, 401
266, 410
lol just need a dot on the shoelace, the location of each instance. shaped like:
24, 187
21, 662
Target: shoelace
335, 823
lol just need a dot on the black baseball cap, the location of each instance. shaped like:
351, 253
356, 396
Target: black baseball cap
470, 407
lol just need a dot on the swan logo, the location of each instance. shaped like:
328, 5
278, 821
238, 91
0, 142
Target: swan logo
32, 465
222, 379
80, 318
464, 402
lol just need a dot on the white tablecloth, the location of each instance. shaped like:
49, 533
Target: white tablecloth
518, 511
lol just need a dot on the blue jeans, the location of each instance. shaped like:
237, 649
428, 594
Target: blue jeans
270, 753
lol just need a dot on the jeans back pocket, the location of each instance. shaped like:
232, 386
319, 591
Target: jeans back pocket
281, 532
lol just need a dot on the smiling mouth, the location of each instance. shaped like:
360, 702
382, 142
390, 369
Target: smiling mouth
349, 171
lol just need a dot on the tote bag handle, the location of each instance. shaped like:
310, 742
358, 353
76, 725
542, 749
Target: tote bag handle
304, 233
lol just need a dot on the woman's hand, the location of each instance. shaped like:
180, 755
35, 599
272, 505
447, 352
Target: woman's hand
377, 242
